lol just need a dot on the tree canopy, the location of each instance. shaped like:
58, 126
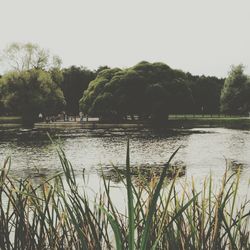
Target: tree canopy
75, 81
36, 83
235, 95
27, 93
26, 56
206, 91
147, 89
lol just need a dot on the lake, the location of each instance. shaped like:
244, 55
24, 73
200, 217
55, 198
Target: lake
203, 151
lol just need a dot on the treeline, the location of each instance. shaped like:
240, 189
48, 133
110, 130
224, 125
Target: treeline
150, 90
147, 89
36, 84
30, 92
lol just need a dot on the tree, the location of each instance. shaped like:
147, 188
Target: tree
95, 89
128, 89
101, 68
75, 81
2, 111
147, 89
235, 95
180, 98
26, 56
206, 91
28, 93
157, 98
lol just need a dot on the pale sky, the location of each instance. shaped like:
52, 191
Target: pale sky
199, 36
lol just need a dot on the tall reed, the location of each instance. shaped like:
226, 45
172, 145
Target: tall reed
57, 214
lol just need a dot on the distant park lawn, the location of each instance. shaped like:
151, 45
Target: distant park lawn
205, 116
10, 120
214, 120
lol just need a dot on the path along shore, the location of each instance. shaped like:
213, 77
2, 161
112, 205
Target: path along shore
173, 122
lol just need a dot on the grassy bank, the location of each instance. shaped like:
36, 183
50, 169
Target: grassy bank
174, 121
191, 121
10, 119
58, 214
7, 122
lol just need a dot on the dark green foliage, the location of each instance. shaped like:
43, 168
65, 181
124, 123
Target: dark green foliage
75, 81
206, 92
95, 96
235, 95
101, 68
149, 90
28, 93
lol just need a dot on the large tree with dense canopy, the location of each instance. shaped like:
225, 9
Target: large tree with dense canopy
28, 93
235, 95
149, 90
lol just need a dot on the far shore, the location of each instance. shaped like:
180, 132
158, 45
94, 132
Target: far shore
174, 121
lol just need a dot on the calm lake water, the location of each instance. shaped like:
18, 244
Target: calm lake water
203, 151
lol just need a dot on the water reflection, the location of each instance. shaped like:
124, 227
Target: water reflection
203, 150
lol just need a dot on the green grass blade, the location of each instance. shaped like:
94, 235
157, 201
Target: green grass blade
116, 229
130, 198
152, 208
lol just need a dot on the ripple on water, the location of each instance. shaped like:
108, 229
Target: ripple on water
202, 150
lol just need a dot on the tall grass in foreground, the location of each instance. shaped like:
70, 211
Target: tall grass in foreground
59, 215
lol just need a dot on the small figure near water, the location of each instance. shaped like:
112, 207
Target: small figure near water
81, 116
40, 116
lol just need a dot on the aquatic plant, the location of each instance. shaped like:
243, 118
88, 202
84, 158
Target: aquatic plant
59, 214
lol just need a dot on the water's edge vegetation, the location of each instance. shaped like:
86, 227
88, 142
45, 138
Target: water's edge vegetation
59, 214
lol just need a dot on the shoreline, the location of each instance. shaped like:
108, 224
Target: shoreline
174, 122
229, 122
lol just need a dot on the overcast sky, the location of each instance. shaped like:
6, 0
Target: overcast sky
199, 36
